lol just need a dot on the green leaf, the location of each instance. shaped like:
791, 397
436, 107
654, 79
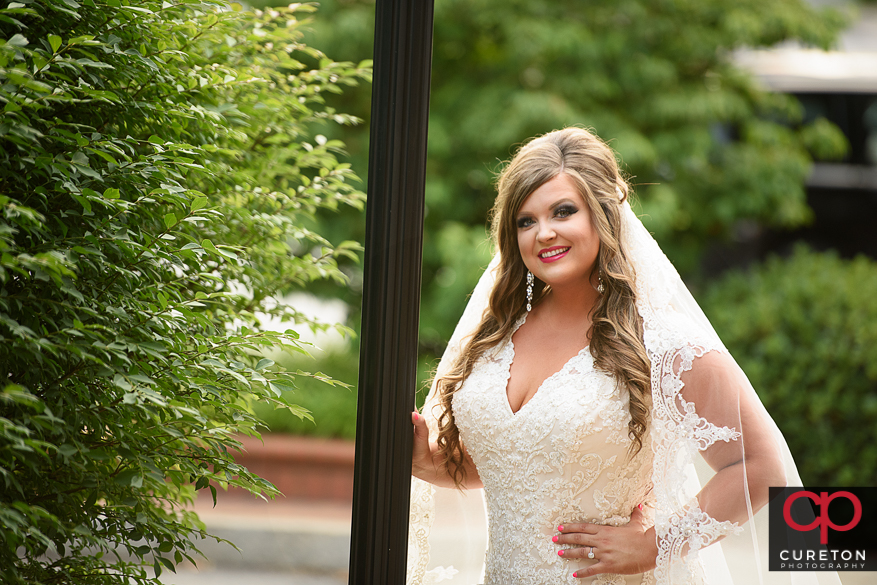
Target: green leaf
104, 155
130, 477
67, 450
167, 563
111, 193
283, 386
198, 203
227, 252
86, 204
17, 40
170, 220
208, 245
39, 62
55, 42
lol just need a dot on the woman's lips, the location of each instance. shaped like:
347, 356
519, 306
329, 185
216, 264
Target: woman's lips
553, 254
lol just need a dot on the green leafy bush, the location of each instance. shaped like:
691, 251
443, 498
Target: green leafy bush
805, 331
158, 161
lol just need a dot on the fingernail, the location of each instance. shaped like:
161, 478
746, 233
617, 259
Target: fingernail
560, 552
560, 528
416, 418
555, 539
575, 574
640, 506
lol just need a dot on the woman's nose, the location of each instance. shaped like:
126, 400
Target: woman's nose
546, 233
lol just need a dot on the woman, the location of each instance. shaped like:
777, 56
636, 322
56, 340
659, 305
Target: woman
579, 388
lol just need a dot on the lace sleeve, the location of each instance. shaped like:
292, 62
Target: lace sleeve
704, 407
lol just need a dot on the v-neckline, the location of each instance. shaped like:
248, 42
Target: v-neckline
508, 370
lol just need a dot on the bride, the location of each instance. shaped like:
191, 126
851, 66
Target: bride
580, 387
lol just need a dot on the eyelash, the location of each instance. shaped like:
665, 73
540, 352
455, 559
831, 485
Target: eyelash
561, 212
566, 210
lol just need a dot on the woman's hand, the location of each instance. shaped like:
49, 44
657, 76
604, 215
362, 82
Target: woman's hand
422, 461
427, 464
625, 550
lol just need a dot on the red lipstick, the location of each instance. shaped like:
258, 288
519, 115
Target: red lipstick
553, 254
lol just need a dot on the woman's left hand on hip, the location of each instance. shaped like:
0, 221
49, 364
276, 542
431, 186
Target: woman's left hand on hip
624, 550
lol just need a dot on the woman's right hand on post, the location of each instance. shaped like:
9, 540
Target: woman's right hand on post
422, 463
427, 465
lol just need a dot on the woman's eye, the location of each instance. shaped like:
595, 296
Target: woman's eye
565, 211
524, 222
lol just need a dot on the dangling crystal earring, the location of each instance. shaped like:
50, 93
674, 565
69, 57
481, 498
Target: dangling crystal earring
600, 287
529, 290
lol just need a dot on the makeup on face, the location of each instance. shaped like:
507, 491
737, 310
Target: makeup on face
556, 237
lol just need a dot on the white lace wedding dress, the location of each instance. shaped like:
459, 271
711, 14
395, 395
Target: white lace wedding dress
563, 457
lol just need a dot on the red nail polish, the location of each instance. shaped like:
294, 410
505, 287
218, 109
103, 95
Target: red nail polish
555, 539
560, 528
575, 574
560, 552
640, 506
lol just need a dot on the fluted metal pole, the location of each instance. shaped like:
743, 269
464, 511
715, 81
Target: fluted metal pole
391, 294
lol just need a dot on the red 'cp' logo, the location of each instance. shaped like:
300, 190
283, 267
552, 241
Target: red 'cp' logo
822, 500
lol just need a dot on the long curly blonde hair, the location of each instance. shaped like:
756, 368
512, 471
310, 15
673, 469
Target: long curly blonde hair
616, 331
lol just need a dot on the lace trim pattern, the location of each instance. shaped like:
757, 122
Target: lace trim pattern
682, 537
679, 434
439, 574
420, 518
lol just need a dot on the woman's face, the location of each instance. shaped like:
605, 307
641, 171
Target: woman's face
556, 237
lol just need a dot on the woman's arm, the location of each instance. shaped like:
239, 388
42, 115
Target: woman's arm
428, 465
722, 395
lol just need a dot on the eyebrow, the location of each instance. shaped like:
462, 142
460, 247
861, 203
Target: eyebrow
557, 204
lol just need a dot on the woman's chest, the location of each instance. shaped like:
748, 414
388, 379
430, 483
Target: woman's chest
576, 408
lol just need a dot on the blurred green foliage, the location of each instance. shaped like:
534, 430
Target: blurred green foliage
332, 408
158, 162
703, 144
804, 329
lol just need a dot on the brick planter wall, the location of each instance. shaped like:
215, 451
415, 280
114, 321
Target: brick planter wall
301, 467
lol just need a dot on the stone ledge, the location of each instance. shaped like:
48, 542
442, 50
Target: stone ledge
301, 467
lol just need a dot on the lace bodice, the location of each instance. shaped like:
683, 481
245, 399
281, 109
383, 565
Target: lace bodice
563, 457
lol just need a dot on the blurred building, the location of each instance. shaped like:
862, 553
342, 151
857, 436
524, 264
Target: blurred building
839, 85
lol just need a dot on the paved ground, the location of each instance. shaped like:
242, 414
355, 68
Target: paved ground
241, 577
280, 542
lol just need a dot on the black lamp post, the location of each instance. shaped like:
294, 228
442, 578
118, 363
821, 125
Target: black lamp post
391, 294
